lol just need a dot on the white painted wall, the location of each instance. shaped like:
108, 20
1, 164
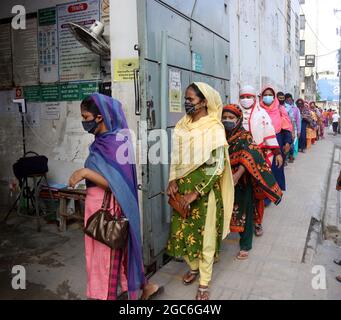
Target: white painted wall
259, 51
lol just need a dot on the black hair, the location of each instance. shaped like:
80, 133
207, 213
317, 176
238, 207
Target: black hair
288, 96
197, 91
280, 94
89, 105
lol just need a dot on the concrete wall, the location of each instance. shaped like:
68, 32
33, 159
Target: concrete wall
259, 50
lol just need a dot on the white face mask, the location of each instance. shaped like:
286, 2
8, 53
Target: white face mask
247, 103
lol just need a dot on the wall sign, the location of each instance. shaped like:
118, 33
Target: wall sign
47, 45
124, 69
60, 92
197, 63
75, 61
175, 90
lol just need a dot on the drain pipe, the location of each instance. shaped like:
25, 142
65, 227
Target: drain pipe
164, 122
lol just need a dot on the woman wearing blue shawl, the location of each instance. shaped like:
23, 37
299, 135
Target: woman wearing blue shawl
111, 164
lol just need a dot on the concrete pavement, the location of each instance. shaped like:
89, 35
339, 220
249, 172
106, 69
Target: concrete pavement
275, 269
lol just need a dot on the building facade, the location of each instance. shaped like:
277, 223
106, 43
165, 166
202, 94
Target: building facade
264, 45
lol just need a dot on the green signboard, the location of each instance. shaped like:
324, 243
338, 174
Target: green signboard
32, 93
60, 92
85, 89
50, 93
69, 92
47, 16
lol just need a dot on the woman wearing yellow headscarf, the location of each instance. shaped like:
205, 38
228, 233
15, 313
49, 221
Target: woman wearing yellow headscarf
201, 174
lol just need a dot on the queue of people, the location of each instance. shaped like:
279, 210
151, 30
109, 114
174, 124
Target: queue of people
228, 165
264, 133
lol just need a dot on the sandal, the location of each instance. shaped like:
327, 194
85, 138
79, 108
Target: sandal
190, 277
338, 262
259, 230
203, 294
159, 291
338, 278
243, 255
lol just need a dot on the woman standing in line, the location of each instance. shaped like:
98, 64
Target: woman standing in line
257, 121
107, 269
252, 178
306, 120
283, 127
201, 175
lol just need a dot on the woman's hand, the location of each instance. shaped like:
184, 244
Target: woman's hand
279, 161
172, 189
286, 148
187, 199
238, 175
77, 177
236, 178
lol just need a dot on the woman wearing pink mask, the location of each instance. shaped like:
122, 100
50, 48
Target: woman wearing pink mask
257, 121
283, 128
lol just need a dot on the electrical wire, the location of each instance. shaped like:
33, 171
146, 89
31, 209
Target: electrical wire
312, 30
328, 54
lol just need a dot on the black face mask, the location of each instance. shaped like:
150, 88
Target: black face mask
229, 125
90, 126
190, 108
281, 102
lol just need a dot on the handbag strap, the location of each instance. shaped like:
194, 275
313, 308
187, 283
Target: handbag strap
106, 200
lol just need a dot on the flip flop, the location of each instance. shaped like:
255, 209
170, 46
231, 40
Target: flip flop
243, 255
203, 293
259, 231
191, 273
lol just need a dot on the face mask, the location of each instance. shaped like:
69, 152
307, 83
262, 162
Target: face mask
281, 102
229, 125
190, 108
90, 126
247, 103
268, 100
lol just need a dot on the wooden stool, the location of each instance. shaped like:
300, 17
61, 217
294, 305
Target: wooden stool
66, 195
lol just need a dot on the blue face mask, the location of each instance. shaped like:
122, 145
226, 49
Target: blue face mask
90, 126
229, 125
268, 100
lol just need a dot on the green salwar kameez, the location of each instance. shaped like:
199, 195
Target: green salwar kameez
186, 236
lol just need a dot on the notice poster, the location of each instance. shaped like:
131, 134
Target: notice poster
197, 63
174, 90
75, 61
51, 111
124, 69
47, 45
25, 54
6, 76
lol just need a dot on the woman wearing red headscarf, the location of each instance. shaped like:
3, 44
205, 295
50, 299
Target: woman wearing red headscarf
251, 174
